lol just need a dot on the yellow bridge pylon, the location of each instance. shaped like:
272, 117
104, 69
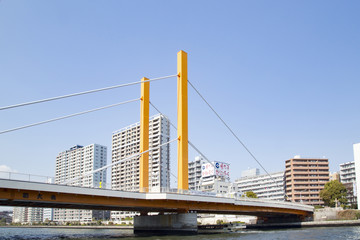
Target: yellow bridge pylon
182, 112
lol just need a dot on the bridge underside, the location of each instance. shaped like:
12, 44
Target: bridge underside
53, 196
20, 203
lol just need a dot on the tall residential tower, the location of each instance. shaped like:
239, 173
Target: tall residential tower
73, 163
125, 143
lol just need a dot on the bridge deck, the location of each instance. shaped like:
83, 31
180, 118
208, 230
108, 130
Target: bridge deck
31, 194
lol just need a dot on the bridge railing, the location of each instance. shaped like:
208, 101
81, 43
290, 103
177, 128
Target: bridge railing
26, 177
43, 179
107, 186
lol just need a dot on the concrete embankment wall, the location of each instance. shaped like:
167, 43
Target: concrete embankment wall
326, 217
327, 214
340, 223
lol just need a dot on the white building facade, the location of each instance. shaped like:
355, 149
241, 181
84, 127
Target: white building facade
125, 175
194, 169
356, 148
211, 177
215, 178
219, 186
27, 215
264, 186
48, 214
348, 179
73, 163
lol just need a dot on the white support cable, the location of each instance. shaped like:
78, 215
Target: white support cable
115, 163
83, 93
192, 145
67, 116
233, 133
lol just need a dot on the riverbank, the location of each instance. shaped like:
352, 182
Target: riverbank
335, 223
71, 227
204, 228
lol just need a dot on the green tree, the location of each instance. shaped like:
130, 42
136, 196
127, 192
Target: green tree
2, 222
333, 190
251, 194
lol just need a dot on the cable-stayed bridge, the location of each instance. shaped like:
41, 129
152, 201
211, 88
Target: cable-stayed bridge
15, 192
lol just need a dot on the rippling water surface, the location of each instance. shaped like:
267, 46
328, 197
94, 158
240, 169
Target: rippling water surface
94, 234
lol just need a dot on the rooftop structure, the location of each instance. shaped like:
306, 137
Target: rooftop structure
250, 172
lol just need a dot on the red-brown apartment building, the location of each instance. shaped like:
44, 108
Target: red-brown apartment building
304, 178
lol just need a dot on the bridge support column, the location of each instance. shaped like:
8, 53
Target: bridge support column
181, 223
182, 104
144, 135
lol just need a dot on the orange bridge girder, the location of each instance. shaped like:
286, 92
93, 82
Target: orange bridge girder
149, 202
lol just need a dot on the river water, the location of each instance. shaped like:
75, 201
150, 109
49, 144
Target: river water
95, 234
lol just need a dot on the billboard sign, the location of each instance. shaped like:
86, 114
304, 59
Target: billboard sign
218, 169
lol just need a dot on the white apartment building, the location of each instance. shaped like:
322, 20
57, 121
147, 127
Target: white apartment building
357, 168
209, 177
347, 172
125, 175
219, 186
264, 186
48, 214
73, 163
27, 215
215, 178
348, 178
194, 169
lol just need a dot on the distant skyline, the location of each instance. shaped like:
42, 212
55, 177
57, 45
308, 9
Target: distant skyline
283, 74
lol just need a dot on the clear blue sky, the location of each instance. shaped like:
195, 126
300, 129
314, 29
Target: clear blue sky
283, 74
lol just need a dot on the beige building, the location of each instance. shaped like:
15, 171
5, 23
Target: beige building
335, 176
305, 178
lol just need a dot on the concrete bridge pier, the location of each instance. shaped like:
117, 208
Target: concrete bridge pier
180, 223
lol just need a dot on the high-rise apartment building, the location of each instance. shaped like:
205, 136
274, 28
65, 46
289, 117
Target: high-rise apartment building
195, 172
348, 179
265, 186
357, 169
305, 178
27, 215
125, 143
73, 163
